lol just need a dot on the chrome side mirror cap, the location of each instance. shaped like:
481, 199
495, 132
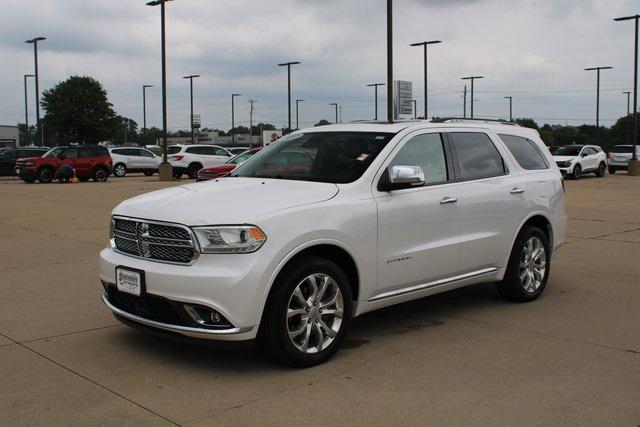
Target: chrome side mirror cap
406, 176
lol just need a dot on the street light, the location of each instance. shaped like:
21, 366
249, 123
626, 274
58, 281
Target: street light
26, 109
297, 117
288, 65
597, 70
335, 105
510, 98
424, 45
233, 118
628, 102
375, 88
390, 61
190, 78
165, 170
473, 79
144, 110
634, 167
34, 41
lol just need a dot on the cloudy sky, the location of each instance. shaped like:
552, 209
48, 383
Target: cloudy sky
533, 50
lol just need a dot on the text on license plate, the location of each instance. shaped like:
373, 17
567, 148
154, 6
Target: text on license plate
128, 281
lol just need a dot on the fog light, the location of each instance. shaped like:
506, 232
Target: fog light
206, 317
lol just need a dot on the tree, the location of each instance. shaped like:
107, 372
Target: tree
78, 111
323, 122
527, 123
22, 130
126, 130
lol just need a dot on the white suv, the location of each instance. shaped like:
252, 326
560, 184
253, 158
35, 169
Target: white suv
190, 159
131, 159
290, 251
619, 157
576, 160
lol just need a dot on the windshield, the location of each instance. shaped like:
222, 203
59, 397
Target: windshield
54, 152
336, 157
240, 158
173, 150
568, 150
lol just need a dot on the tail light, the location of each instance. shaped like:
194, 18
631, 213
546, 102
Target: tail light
178, 157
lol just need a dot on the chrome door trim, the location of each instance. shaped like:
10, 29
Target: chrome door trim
424, 286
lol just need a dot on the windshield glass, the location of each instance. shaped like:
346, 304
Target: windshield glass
240, 158
568, 150
173, 150
336, 157
54, 152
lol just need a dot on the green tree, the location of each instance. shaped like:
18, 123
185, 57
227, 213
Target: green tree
78, 111
22, 130
527, 123
323, 122
126, 130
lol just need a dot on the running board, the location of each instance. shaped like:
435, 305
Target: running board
424, 286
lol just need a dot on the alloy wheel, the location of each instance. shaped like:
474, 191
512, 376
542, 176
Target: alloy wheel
119, 170
100, 175
533, 264
314, 313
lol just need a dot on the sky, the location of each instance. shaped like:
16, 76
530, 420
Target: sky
535, 51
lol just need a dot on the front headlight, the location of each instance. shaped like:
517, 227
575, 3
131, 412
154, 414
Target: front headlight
230, 239
564, 164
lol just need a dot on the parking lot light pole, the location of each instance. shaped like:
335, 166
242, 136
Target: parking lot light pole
426, 96
634, 165
597, 70
375, 90
144, 109
26, 109
473, 79
415, 108
288, 65
335, 105
34, 41
298, 101
390, 61
510, 98
628, 102
233, 117
190, 78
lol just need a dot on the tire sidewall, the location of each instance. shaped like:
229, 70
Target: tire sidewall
48, 178
115, 170
602, 170
577, 172
192, 170
97, 172
274, 330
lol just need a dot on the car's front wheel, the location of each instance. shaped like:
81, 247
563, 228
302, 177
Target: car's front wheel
528, 268
45, 175
100, 174
577, 172
602, 170
119, 170
308, 312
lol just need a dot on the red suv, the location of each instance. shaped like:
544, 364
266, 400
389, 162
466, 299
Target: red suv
88, 161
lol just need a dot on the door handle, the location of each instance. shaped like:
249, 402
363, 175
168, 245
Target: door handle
448, 200
517, 190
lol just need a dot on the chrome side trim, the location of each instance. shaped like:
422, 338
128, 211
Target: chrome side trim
424, 286
221, 334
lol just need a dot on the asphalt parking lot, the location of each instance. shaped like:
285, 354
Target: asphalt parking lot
572, 357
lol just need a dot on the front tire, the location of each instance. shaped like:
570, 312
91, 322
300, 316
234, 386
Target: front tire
602, 170
308, 313
119, 170
528, 268
577, 172
100, 174
45, 175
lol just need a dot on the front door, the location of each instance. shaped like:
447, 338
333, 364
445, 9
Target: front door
418, 228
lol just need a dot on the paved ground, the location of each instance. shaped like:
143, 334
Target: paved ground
464, 357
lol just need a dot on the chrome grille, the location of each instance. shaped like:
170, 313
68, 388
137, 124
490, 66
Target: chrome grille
154, 241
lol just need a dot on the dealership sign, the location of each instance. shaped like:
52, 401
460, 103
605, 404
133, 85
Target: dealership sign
402, 96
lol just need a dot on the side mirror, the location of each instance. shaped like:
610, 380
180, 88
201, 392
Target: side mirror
583, 155
399, 177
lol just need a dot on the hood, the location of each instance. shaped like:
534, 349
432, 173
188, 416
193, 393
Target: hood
225, 201
564, 158
24, 159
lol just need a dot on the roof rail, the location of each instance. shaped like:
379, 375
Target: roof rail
468, 120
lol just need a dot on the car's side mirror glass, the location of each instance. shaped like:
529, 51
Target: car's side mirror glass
399, 177
583, 155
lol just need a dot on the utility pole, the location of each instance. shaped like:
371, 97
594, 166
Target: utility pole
375, 90
193, 129
298, 101
597, 70
34, 41
464, 105
634, 166
628, 102
26, 110
472, 78
426, 92
510, 98
144, 110
233, 118
335, 105
390, 61
288, 65
251, 102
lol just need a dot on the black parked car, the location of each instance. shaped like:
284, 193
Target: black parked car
8, 157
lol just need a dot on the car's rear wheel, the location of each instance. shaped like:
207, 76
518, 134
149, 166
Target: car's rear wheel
612, 171
193, 169
29, 180
177, 174
602, 170
308, 313
148, 173
100, 174
119, 170
577, 172
45, 175
528, 268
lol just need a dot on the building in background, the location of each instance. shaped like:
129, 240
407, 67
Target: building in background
9, 136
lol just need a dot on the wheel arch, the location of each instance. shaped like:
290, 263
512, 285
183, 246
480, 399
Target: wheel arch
538, 220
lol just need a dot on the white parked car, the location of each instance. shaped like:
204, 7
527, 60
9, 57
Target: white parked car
619, 157
576, 160
131, 159
289, 251
190, 159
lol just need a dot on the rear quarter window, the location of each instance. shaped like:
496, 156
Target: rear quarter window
525, 152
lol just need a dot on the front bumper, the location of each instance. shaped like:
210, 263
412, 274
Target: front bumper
233, 285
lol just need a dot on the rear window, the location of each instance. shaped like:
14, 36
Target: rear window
525, 151
173, 150
622, 149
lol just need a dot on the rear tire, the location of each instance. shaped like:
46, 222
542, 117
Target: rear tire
193, 169
177, 174
602, 170
45, 175
612, 171
100, 174
577, 172
301, 325
528, 268
119, 170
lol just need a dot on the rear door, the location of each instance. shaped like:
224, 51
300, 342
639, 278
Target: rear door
147, 159
83, 160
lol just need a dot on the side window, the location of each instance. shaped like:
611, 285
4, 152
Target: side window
476, 155
145, 153
220, 152
71, 153
525, 151
118, 151
194, 150
86, 152
9, 154
426, 151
